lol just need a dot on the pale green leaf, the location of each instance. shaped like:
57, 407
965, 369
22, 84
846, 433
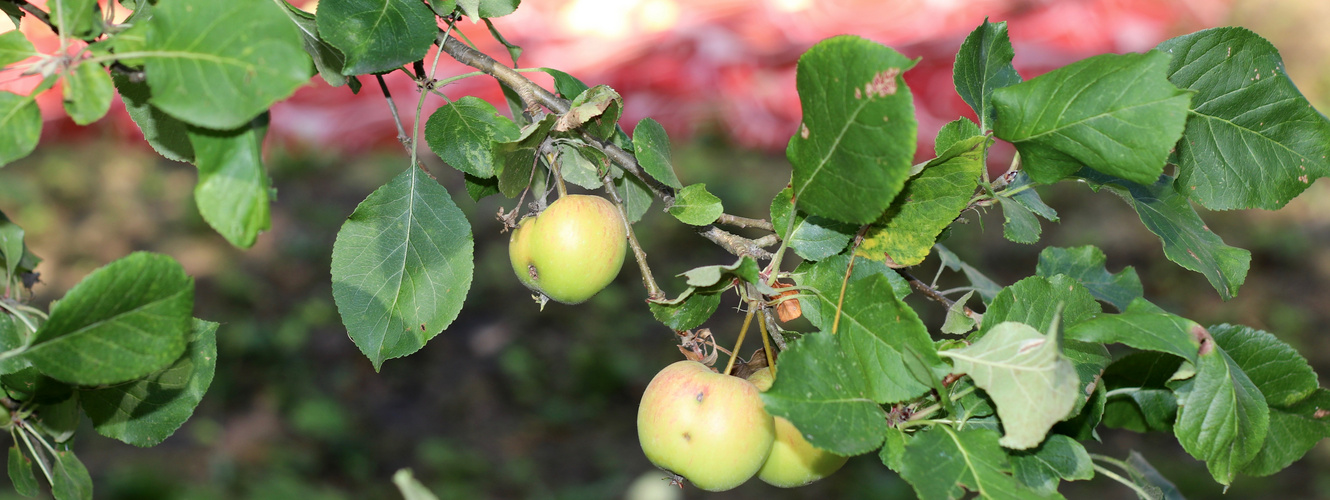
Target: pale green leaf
987, 288
205, 72
953, 132
696, 206
686, 312
1025, 373
957, 321
636, 196
377, 35
146, 411
401, 266
1253, 140
1036, 301
514, 159
233, 189
580, 164
71, 480
123, 321
854, 146
87, 93
327, 59
1142, 326
76, 18
410, 488
1115, 113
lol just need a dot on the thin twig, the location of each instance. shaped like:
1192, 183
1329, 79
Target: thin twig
935, 295
735, 244
742, 222
397, 120
653, 290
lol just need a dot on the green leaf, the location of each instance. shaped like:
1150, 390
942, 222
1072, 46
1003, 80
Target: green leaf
813, 238
636, 196
1149, 479
233, 189
204, 72
14, 13
987, 288
401, 266
1222, 416
514, 51
1026, 374
377, 35
1144, 327
477, 9
825, 278
478, 188
822, 392
30, 386
1027, 197
76, 18
1089, 359
688, 311
20, 472
163, 132
1276, 368
893, 449
983, 65
1294, 430
125, 320
928, 204
957, 321
1115, 113
13, 335
410, 488
1087, 265
60, 420
463, 134
953, 132
1058, 458
943, 463
15, 47
695, 206
1082, 426
518, 156
11, 245
1253, 140
442, 8
327, 59
87, 93
886, 337
1187, 240
72, 481
1143, 410
652, 145
145, 412
745, 269
566, 85
600, 104
852, 152
1035, 301
1019, 224
22, 123
576, 167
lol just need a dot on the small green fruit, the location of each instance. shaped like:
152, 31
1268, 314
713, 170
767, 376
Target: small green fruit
793, 460
707, 427
572, 250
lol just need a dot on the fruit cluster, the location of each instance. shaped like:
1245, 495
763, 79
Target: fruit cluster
711, 429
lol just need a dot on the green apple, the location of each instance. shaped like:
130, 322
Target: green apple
708, 427
793, 460
572, 250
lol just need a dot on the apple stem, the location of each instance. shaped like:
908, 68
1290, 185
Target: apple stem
747, 320
840, 302
558, 175
766, 345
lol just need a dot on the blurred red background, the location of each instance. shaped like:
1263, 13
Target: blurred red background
694, 64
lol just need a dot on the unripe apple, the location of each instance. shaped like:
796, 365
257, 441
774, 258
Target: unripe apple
571, 250
793, 460
708, 427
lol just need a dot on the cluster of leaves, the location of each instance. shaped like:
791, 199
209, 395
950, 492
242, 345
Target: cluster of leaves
121, 346
998, 409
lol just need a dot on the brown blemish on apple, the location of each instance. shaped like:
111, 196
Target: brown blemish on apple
1203, 337
883, 84
531, 271
700, 394
687, 437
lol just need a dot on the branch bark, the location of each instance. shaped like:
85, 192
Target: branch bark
934, 295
